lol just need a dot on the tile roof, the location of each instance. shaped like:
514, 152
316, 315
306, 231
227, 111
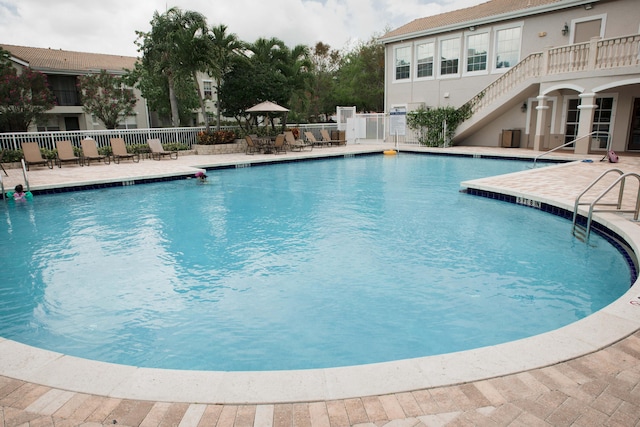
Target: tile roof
492, 8
65, 60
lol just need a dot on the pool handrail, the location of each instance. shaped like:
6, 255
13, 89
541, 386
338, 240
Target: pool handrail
535, 160
618, 205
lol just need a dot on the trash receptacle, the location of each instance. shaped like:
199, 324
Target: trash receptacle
511, 138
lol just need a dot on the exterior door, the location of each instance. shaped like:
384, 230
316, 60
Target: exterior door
634, 135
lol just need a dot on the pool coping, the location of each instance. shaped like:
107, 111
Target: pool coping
601, 329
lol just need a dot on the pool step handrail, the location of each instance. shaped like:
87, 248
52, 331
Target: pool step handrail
619, 182
24, 174
598, 132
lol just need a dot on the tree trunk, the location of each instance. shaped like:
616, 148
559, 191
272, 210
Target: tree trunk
173, 100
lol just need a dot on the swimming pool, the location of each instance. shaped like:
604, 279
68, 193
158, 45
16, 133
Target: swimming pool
285, 248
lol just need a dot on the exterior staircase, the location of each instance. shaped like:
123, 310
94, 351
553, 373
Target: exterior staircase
591, 59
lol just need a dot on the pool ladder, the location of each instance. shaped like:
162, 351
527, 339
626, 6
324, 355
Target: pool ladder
582, 231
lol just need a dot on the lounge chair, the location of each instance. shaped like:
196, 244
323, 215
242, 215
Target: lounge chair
90, 152
33, 156
296, 144
279, 145
119, 151
326, 138
157, 152
1, 157
312, 139
66, 154
252, 145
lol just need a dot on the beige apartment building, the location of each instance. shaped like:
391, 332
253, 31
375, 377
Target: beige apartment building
63, 67
536, 73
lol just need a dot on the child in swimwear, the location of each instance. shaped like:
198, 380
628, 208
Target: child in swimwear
201, 177
19, 193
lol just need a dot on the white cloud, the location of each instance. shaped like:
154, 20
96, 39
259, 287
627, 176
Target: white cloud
109, 26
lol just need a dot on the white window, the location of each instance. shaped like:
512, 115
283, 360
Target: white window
508, 42
403, 63
424, 59
477, 48
129, 122
207, 88
449, 56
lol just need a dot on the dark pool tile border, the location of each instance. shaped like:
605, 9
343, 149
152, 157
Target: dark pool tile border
611, 236
488, 156
121, 183
118, 183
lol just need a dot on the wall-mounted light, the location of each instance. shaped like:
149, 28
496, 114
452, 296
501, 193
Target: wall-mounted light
472, 28
523, 108
588, 6
565, 29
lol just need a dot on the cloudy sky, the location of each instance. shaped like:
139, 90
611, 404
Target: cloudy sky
109, 26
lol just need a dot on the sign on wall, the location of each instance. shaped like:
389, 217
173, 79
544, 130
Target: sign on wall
398, 121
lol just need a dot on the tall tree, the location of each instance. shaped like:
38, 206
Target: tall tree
24, 97
247, 84
360, 80
325, 65
292, 65
176, 45
104, 96
224, 47
295, 67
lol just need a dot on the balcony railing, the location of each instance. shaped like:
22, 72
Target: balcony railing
594, 55
67, 98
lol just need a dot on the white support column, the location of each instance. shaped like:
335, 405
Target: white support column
541, 123
587, 107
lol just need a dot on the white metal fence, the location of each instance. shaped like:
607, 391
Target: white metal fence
186, 135
370, 127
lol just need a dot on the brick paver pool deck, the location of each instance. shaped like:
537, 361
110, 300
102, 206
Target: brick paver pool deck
592, 380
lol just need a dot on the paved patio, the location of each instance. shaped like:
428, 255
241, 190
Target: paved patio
584, 375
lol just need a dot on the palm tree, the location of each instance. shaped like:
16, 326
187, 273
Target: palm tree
177, 44
268, 51
296, 67
223, 48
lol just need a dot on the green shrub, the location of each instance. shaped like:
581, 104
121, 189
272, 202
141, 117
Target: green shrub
104, 151
175, 146
429, 123
12, 156
216, 137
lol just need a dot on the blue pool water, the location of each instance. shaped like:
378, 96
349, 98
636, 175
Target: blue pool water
292, 266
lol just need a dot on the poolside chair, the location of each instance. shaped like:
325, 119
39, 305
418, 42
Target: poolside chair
296, 144
252, 145
90, 152
66, 154
119, 151
279, 145
157, 152
33, 156
1, 157
312, 139
326, 138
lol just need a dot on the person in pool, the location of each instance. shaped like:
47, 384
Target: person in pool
19, 193
202, 177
